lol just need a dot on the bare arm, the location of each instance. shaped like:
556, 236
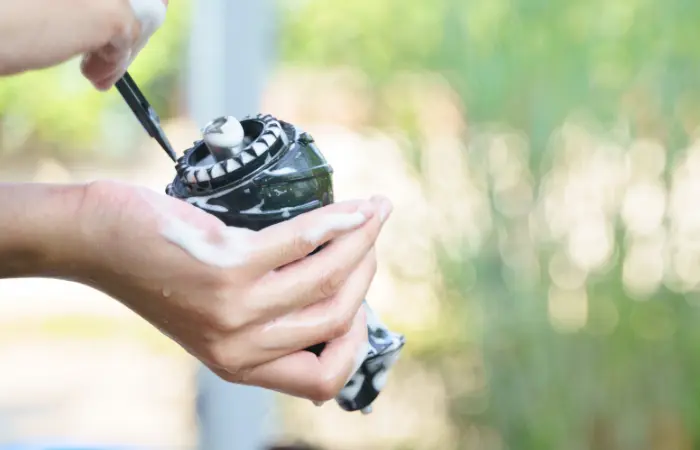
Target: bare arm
42, 33
35, 34
38, 230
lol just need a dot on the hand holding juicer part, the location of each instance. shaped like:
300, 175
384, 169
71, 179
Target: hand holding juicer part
259, 172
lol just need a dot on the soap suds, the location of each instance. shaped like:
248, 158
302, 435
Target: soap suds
282, 171
334, 223
257, 209
285, 213
202, 203
203, 200
233, 248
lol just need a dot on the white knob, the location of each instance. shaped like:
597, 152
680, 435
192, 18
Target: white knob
224, 137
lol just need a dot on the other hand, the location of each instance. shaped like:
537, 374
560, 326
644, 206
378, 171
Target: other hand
104, 66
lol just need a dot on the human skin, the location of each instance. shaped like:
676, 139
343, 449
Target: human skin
249, 322
37, 34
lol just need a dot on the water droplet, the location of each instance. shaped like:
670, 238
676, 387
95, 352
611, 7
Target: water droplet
166, 292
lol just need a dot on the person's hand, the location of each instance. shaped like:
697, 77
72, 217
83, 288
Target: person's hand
244, 303
104, 66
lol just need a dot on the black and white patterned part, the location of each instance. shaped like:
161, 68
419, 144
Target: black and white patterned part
209, 169
366, 384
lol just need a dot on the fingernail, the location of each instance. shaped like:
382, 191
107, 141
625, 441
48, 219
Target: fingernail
385, 209
383, 205
367, 209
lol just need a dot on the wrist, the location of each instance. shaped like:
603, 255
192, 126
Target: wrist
41, 230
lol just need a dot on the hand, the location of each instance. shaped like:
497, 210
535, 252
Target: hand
104, 66
244, 303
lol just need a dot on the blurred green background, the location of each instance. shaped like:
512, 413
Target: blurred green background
554, 144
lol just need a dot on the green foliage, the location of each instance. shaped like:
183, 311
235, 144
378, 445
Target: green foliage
527, 62
628, 378
58, 111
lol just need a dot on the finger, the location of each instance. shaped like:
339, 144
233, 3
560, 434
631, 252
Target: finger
103, 64
106, 65
320, 276
319, 379
289, 241
321, 322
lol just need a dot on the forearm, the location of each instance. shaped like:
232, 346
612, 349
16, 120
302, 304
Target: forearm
41, 33
40, 230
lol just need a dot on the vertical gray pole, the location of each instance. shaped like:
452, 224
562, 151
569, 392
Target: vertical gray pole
231, 52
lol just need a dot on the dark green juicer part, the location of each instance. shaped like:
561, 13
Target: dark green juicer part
274, 173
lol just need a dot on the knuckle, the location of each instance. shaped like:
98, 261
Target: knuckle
236, 376
297, 248
301, 246
330, 282
225, 358
227, 323
339, 326
121, 21
325, 390
226, 315
215, 355
226, 320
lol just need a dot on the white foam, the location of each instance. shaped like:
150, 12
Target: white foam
257, 209
282, 171
232, 249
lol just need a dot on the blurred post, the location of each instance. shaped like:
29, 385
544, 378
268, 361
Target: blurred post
231, 50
